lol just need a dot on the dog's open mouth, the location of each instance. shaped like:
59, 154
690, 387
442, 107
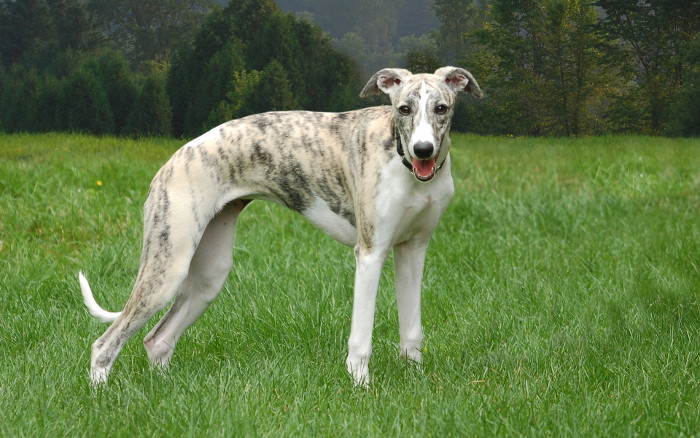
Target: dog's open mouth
424, 170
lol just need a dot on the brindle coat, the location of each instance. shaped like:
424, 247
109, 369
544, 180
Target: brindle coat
339, 170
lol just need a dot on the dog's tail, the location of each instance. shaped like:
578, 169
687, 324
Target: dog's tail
94, 308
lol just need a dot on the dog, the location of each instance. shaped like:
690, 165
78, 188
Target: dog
377, 179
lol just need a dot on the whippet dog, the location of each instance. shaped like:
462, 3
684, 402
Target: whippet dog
376, 179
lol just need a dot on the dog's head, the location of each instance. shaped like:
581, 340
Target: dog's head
423, 107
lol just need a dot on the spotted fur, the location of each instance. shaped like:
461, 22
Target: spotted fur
339, 170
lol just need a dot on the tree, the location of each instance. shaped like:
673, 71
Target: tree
422, 60
212, 87
325, 77
684, 112
457, 18
179, 86
86, 105
112, 71
21, 24
50, 106
248, 17
286, 50
274, 90
353, 45
297, 64
573, 65
543, 63
184, 79
33, 31
74, 26
151, 114
21, 113
238, 99
149, 29
415, 17
657, 35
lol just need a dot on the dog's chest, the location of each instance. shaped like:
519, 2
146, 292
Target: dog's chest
402, 209
407, 208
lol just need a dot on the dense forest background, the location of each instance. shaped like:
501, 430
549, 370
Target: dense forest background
179, 67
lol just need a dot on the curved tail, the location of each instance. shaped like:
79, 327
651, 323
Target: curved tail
94, 308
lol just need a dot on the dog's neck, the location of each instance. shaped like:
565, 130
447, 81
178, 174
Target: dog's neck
399, 149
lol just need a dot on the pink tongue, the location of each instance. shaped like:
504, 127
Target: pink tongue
424, 168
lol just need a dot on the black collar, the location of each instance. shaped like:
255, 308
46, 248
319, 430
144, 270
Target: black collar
399, 150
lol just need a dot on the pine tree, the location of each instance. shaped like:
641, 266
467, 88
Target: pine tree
274, 91
151, 114
212, 87
684, 113
22, 111
86, 105
112, 71
298, 60
50, 106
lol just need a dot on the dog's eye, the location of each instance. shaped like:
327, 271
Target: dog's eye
405, 110
441, 109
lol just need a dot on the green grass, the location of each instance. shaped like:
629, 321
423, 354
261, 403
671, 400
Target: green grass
561, 298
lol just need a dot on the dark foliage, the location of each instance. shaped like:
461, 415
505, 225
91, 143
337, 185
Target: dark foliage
151, 115
548, 67
252, 57
86, 104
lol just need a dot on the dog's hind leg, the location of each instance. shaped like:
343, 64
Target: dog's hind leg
208, 271
151, 293
171, 235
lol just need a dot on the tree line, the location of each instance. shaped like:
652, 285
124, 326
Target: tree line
572, 67
160, 68
178, 67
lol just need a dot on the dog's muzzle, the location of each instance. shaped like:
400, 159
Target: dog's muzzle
423, 168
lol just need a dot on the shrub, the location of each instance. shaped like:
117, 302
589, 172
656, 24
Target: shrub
21, 102
113, 73
86, 104
151, 114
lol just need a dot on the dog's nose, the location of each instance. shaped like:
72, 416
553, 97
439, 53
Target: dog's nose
423, 149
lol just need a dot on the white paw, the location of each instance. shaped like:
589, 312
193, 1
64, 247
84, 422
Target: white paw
98, 376
359, 371
413, 354
159, 353
161, 363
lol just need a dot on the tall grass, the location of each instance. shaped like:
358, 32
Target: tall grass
561, 297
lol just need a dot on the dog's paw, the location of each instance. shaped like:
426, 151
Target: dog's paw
359, 371
360, 380
413, 355
98, 376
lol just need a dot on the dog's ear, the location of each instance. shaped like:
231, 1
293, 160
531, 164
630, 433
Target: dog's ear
460, 80
385, 81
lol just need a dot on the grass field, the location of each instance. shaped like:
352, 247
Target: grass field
561, 298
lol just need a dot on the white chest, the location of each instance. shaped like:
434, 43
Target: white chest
407, 208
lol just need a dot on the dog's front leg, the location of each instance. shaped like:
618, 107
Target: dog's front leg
367, 272
409, 259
